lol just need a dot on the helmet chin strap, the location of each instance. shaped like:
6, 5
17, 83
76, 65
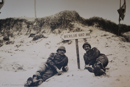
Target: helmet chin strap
61, 54
86, 50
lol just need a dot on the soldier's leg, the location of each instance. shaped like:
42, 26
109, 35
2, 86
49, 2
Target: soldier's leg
98, 71
100, 64
103, 60
41, 69
49, 73
29, 82
36, 79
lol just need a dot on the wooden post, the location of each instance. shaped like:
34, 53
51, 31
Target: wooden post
77, 52
119, 19
119, 27
76, 36
35, 8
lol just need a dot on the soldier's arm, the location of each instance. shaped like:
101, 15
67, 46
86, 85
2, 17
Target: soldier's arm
96, 52
65, 67
85, 60
87, 65
50, 61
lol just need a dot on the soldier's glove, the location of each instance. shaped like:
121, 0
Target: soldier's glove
58, 71
65, 69
98, 71
90, 69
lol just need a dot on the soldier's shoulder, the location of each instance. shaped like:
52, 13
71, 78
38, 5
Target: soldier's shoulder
95, 48
85, 54
52, 54
96, 51
66, 56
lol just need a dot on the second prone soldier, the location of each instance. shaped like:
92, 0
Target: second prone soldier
94, 60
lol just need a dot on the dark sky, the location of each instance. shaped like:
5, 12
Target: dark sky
86, 8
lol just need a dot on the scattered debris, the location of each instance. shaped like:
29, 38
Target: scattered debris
6, 38
32, 35
38, 37
9, 42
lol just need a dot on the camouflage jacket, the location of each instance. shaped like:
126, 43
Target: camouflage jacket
91, 56
57, 60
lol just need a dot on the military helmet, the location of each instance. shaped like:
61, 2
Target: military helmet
86, 43
61, 48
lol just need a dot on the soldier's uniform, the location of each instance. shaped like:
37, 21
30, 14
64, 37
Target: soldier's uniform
48, 69
98, 60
